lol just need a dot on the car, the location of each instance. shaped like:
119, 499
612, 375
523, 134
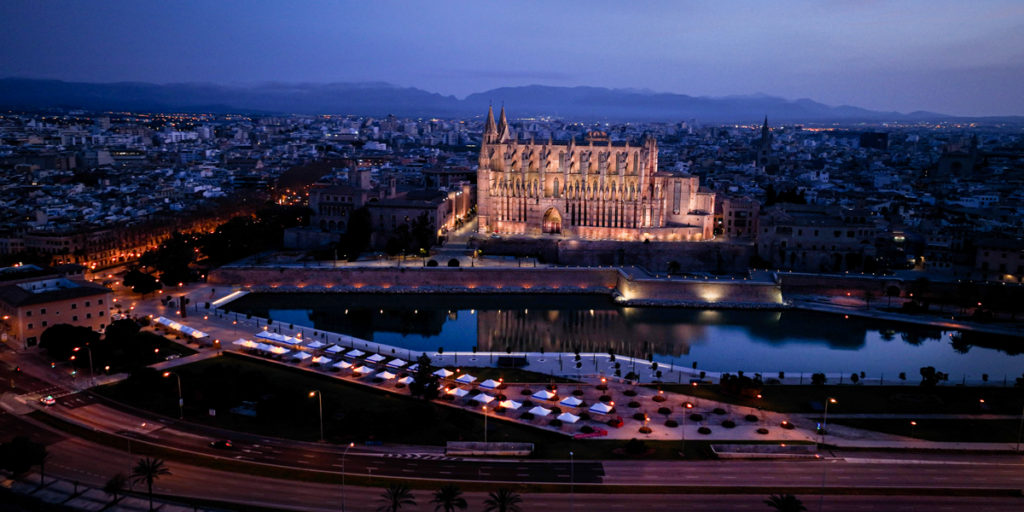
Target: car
48, 400
172, 357
222, 444
495, 235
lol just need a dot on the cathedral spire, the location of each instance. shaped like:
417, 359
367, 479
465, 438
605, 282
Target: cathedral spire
503, 135
490, 128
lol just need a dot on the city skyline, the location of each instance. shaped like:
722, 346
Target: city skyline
873, 55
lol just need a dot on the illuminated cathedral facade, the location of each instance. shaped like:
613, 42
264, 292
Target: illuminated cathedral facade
595, 188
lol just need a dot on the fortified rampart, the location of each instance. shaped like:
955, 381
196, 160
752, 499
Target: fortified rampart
724, 292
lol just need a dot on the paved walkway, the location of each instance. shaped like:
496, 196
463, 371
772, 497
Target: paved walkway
826, 305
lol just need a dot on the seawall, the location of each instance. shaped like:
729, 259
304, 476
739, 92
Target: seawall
630, 286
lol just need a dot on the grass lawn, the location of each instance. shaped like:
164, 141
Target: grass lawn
950, 431
351, 412
872, 399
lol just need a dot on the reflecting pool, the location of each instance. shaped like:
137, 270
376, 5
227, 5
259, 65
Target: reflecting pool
718, 340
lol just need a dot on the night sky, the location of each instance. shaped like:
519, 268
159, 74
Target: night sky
954, 57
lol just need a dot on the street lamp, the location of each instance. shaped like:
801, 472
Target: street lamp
824, 422
343, 454
92, 375
1020, 430
912, 425
572, 482
320, 399
181, 402
682, 431
485, 425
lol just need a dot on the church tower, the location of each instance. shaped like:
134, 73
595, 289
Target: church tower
765, 156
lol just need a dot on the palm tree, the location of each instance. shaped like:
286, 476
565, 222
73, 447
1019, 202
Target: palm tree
449, 498
147, 470
42, 456
115, 485
785, 503
395, 497
503, 500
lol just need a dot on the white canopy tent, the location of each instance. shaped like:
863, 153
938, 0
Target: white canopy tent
279, 350
510, 404
355, 353
278, 338
397, 363
414, 367
544, 395
322, 360
363, 370
264, 347
386, 375
459, 392
245, 343
601, 408
567, 417
344, 365
489, 384
182, 328
376, 358
444, 374
406, 380
465, 379
540, 412
301, 356
571, 402
334, 349
483, 398
315, 344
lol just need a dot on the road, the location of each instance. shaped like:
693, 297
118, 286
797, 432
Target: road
856, 469
77, 460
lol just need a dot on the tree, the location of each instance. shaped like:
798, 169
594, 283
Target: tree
147, 471
423, 233
395, 497
785, 503
868, 297
141, 283
115, 485
930, 377
674, 267
400, 241
449, 498
854, 378
41, 457
120, 331
357, 236
503, 500
19, 455
819, 379
890, 292
60, 340
424, 384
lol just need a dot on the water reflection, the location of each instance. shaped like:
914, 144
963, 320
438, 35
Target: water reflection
805, 341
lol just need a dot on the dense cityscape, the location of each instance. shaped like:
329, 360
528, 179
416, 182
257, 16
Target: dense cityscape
345, 257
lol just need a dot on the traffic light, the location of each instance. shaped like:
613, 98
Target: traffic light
53, 365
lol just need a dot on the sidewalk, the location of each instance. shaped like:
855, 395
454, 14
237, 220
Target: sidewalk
945, 323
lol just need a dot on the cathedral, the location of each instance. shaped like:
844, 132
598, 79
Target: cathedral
595, 188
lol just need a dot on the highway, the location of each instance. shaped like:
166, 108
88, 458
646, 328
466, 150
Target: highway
90, 464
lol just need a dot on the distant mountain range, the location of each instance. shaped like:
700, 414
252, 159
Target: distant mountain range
380, 99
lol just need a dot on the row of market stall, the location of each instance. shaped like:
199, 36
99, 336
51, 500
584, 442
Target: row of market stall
333, 356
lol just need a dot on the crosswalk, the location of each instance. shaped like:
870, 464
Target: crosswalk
419, 456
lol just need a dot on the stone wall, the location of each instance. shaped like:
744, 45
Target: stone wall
654, 256
727, 291
414, 277
838, 285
